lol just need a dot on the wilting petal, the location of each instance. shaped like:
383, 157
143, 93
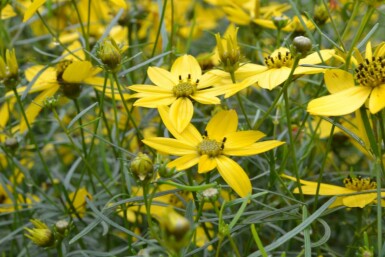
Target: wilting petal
341, 103
181, 113
186, 65
242, 138
184, 162
162, 78
337, 80
170, 146
377, 99
253, 149
223, 123
35, 107
234, 175
206, 164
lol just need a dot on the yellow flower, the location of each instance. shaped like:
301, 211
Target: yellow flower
177, 88
349, 196
345, 97
220, 140
78, 200
277, 68
292, 25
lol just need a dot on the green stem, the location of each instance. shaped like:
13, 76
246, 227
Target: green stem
232, 74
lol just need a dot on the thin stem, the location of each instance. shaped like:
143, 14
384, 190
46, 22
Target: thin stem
232, 74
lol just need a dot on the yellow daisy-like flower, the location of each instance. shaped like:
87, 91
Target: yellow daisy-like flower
276, 70
178, 88
211, 150
78, 200
345, 97
349, 197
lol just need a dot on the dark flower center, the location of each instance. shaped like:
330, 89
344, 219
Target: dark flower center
211, 147
359, 183
371, 73
185, 87
279, 60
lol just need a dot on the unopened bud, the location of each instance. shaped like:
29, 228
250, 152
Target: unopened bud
228, 50
51, 102
142, 167
110, 54
62, 227
9, 69
302, 45
209, 195
41, 234
280, 22
321, 14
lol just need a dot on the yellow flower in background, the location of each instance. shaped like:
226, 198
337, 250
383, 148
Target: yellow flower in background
350, 197
177, 88
291, 25
78, 200
345, 96
211, 150
7, 12
11, 201
276, 70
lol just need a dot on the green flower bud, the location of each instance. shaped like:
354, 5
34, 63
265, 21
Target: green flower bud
9, 69
321, 15
142, 167
302, 45
62, 227
280, 21
228, 50
110, 54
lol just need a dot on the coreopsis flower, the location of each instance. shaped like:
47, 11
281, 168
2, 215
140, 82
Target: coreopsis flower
178, 88
345, 96
41, 234
211, 150
291, 25
277, 69
78, 201
352, 195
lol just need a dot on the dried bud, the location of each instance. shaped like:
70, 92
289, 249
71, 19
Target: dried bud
41, 234
209, 195
9, 69
11, 143
62, 227
110, 54
142, 167
228, 50
302, 45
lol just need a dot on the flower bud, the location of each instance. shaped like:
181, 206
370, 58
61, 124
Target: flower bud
321, 15
209, 195
40, 235
110, 54
51, 102
228, 50
9, 69
11, 144
302, 45
280, 21
62, 227
142, 167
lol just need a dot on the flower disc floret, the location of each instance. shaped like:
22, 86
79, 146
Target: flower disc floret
279, 60
371, 73
210, 147
185, 88
359, 183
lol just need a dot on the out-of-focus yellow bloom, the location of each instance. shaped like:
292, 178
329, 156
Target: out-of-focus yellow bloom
41, 234
345, 96
276, 70
78, 200
350, 197
10, 201
292, 25
7, 12
211, 150
178, 88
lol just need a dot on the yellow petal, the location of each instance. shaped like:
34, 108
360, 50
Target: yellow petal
186, 65
5, 110
341, 103
150, 89
337, 80
120, 3
377, 99
223, 123
35, 107
206, 164
242, 138
162, 78
252, 149
360, 200
207, 80
207, 96
7, 12
234, 175
368, 51
154, 101
272, 78
181, 113
170, 146
337, 202
32, 9
76, 72
184, 162
314, 58
190, 134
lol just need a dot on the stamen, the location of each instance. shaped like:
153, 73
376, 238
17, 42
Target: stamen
359, 183
371, 72
278, 60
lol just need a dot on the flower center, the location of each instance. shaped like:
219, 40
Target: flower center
60, 68
211, 147
279, 60
359, 183
371, 73
186, 87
